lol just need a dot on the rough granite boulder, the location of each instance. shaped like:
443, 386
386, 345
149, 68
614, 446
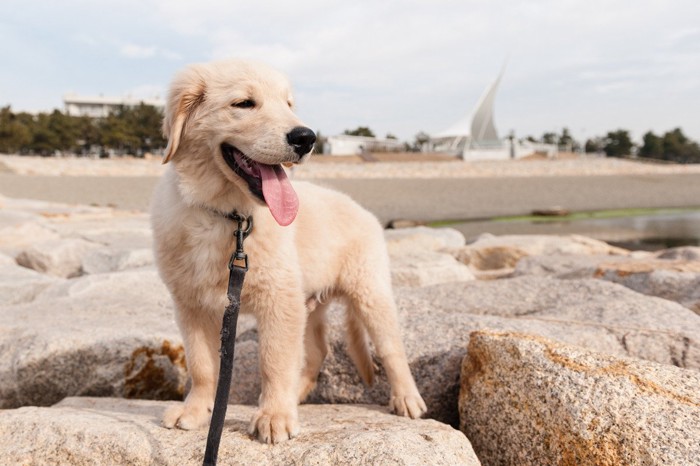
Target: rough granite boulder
59, 258
110, 334
425, 268
688, 253
88, 431
67, 241
112, 259
528, 401
417, 260
491, 252
672, 275
408, 240
19, 284
106, 335
564, 266
17, 236
674, 279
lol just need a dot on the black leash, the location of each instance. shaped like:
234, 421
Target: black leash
238, 266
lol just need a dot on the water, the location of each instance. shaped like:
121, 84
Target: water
648, 232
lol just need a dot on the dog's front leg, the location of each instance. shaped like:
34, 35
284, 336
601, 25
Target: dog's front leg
281, 327
200, 330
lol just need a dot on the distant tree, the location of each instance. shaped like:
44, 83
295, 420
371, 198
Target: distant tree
320, 143
531, 139
618, 143
652, 146
14, 133
132, 130
88, 133
44, 140
549, 138
144, 123
116, 131
679, 148
64, 130
594, 145
390, 136
360, 131
565, 139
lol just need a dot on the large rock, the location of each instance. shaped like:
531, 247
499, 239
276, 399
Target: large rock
677, 279
672, 275
16, 237
410, 240
565, 266
66, 241
529, 401
688, 253
112, 259
436, 322
125, 241
19, 284
110, 334
425, 268
60, 258
106, 335
88, 431
416, 259
491, 252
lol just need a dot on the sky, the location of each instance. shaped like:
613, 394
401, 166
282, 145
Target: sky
399, 67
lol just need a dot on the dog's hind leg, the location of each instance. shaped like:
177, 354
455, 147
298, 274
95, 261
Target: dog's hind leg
372, 302
315, 347
358, 346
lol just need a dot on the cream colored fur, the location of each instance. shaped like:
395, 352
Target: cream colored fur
334, 248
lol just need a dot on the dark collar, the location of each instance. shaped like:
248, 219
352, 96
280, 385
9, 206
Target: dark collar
233, 215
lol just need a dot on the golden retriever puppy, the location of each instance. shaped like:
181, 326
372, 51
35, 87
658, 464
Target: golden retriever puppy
230, 126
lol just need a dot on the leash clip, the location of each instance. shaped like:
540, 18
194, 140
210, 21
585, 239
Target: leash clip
239, 258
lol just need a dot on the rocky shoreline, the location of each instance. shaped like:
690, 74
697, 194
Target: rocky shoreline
539, 349
325, 167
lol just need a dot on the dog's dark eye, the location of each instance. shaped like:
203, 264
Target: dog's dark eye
248, 103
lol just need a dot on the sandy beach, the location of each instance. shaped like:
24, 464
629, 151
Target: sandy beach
423, 191
427, 166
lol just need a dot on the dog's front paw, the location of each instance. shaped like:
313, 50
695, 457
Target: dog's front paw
274, 427
186, 416
411, 405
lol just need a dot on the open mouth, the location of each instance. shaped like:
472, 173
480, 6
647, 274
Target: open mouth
244, 167
269, 183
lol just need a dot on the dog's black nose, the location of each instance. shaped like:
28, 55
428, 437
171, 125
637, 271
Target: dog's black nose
302, 139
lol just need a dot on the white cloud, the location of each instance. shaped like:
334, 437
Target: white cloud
138, 51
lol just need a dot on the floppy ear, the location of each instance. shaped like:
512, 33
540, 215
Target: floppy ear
186, 93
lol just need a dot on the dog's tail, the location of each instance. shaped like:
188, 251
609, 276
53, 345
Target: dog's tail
358, 346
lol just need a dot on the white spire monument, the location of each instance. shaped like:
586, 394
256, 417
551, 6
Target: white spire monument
475, 137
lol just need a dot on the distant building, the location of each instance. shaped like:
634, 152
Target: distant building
474, 137
100, 106
345, 144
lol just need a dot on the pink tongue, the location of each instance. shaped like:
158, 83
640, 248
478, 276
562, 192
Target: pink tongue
279, 194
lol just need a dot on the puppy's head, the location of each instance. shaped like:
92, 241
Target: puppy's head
238, 115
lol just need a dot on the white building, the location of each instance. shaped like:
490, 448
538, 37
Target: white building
474, 137
345, 144
100, 106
